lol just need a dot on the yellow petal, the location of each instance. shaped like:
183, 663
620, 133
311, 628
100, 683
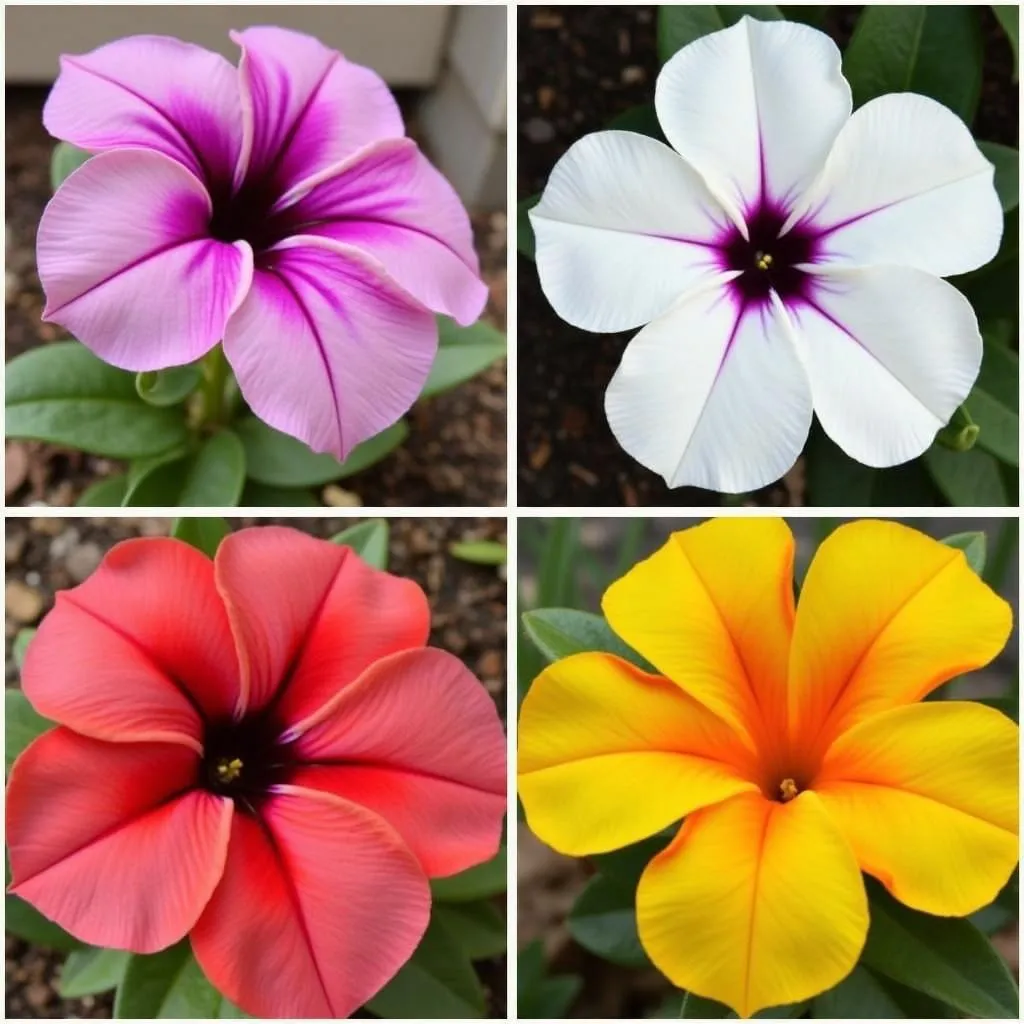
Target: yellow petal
609, 755
927, 796
755, 904
886, 614
713, 611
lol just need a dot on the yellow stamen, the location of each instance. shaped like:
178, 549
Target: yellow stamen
788, 789
228, 771
763, 260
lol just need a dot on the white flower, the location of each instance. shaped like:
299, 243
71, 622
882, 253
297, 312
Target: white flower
784, 256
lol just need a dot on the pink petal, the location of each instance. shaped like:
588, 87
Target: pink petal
390, 203
151, 92
127, 266
304, 107
419, 741
327, 348
109, 841
319, 907
139, 651
311, 612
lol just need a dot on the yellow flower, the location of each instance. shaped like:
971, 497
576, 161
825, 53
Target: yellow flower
791, 741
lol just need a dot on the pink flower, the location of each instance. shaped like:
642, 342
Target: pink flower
257, 752
277, 206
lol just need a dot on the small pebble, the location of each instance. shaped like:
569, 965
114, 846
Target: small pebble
23, 603
537, 130
83, 561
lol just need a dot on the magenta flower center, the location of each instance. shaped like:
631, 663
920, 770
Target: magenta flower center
245, 760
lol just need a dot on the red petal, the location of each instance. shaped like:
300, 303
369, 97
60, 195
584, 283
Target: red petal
139, 650
312, 613
319, 907
418, 740
110, 841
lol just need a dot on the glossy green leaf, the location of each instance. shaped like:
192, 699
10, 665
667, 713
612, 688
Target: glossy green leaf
967, 478
479, 927
1009, 18
166, 984
946, 958
934, 50
625, 866
998, 425
106, 493
210, 477
603, 920
1007, 180
860, 996
480, 552
63, 394
526, 243
483, 881
462, 353
375, 449
65, 159
369, 540
22, 724
538, 995
994, 289
257, 495
20, 646
203, 532
695, 1006
678, 26
438, 981
87, 972
973, 544
1000, 367
168, 387
559, 632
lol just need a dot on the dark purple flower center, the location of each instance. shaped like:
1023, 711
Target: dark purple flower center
767, 259
245, 759
247, 215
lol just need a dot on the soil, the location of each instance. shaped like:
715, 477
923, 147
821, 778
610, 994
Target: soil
455, 454
468, 618
578, 68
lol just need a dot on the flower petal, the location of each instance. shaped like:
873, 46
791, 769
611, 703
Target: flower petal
712, 609
594, 732
711, 395
155, 93
927, 797
127, 266
624, 227
886, 615
304, 107
139, 651
418, 741
390, 203
357, 350
755, 904
310, 614
890, 353
110, 841
906, 184
319, 907
754, 108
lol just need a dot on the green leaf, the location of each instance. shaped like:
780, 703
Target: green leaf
256, 495
373, 450
625, 866
641, 119
806, 14
65, 159
967, 478
23, 724
603, 920
168, 387
1007, 164
1000, 367
166, 984
998, 425
108, 493
697, 1006
462, 353
479, 927
994, 289
483, 881
678, 26
27, 923
87, 972
944, 957
932, 50
438, 981
63, 394
540, 996
203, 533
1009, 706
369, 540
210, 477
526, 244
559, 632
480, 552
860, 996
20, 646
973, 545
1009, 18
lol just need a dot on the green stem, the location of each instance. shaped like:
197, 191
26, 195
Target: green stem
215, 379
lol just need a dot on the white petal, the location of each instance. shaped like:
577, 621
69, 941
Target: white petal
909, 186
755, 108
711, 397
890, 353
611, 229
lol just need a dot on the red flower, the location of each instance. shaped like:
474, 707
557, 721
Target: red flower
258, 752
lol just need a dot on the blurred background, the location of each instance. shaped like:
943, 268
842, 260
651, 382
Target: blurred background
568, 563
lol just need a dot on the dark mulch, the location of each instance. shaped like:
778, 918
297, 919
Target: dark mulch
578, 68
468, 609
455, 454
